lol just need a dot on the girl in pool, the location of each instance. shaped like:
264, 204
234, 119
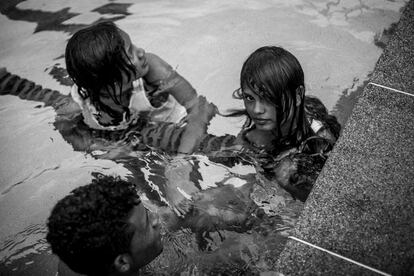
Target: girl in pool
115, 80
287, 132
279, 116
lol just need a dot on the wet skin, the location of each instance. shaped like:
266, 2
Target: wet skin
138, 58
153, 70
263, 115
146, 242
262, 112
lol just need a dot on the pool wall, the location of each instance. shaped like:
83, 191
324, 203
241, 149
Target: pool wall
362, 204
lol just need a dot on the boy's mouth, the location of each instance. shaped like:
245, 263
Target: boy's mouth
145, 63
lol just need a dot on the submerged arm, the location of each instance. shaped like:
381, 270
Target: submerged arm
11, 84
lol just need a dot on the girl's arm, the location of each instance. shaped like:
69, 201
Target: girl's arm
163, 76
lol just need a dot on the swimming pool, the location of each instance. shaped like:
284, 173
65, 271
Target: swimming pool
206, 41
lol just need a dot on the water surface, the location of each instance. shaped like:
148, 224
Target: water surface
337, 43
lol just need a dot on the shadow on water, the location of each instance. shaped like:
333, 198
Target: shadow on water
344, 106
53, 21
381, 39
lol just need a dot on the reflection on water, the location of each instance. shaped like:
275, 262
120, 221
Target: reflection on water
225, 230
228, 226
24, 243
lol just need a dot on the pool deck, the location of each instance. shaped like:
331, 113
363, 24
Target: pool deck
362, 206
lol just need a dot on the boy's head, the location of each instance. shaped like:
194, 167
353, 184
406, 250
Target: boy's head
103, 229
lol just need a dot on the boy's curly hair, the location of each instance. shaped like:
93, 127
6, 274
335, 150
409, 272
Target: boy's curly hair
88, 228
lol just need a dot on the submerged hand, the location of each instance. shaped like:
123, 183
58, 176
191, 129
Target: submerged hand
183, 207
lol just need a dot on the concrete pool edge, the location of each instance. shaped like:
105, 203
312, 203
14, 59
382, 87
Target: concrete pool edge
362, 204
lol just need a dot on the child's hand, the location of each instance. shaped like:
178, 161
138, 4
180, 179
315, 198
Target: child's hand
183, 208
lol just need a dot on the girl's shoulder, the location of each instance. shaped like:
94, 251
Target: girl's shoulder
158, 70
321, 122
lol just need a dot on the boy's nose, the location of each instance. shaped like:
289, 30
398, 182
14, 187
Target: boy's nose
141, 52
155, 219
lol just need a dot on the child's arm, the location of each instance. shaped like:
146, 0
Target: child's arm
163, 76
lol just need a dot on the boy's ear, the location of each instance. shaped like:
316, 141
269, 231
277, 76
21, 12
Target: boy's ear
300, 93
122, 263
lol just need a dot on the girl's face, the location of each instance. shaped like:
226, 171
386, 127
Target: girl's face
262, 112
136, 55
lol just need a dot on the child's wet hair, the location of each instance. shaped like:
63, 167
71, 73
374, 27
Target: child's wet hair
275, 75
96, 59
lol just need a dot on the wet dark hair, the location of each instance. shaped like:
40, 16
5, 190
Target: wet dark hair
315, 109
275, 74
96, 60
88, 228
308, 168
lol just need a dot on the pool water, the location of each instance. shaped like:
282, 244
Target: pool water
240, 221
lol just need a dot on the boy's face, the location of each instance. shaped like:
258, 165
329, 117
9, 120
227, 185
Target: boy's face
146, 242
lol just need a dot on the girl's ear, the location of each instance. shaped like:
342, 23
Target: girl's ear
300, 94
122, 263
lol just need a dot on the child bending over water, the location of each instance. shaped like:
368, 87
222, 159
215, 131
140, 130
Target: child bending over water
116, 81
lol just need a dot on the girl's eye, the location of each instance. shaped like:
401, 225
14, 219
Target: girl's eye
248, 97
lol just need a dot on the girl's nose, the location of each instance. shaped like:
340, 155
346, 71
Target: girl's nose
259, 108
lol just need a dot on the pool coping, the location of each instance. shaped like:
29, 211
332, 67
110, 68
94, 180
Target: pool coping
362, 205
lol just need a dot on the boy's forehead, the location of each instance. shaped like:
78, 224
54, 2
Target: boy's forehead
138, 217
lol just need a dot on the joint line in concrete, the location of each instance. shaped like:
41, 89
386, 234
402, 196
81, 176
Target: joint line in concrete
392, 89
340, 256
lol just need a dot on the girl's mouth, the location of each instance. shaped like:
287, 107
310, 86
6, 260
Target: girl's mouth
261, 121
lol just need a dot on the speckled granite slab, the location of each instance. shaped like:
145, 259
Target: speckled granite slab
362, 206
